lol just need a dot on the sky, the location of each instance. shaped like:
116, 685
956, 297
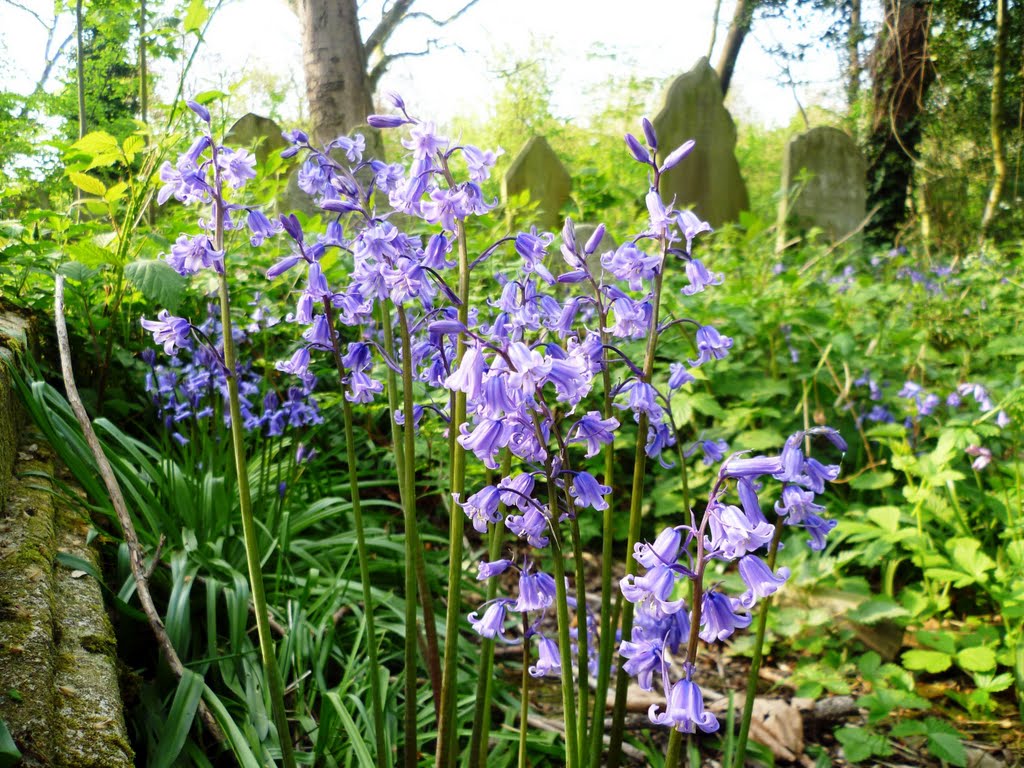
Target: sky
587, 43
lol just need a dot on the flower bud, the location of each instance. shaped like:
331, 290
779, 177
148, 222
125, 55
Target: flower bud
673, 159
637, 149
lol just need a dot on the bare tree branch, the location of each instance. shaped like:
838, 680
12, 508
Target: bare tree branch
51, 62
388, 24
441, 22
378, 69
31, 13
135, 555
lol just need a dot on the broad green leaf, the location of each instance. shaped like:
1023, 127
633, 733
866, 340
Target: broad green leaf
196, 15
157, 281
945, 743
860, 743
179, 720
936, 640
704, 403
909, 728
88, 184
873, 481
928, 661
9, 754
96, 143
977, 659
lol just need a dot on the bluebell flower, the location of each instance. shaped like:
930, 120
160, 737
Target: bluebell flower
236, 166
699, 277
587, 492
536, 591
718, 616
664, 550
760, 581
172, 332
594, 431
684, 710
711, 345
481, 508
486, 570
548, 660
492, 623
653, 590
190, 255
733, 534
644, 656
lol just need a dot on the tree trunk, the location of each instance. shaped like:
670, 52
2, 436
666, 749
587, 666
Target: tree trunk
853, 39
334, 62
742, 18
998, 144
901, 75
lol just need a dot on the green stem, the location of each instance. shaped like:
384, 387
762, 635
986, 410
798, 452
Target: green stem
635, 514
674, 751
582, 652
755, 661
446, 747
408, 480
524, 696
478, 743
252, 546
376, 706
606, 641
562, 612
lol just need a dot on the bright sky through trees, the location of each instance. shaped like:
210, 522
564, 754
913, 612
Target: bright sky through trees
587, 44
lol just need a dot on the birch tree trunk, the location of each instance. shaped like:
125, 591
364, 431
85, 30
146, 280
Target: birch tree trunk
998, 144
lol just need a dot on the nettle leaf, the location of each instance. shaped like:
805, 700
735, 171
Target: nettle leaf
859, 743
88, 184
90, 254
944, 742
77, 271
157, 281
873, 481
978, 659
928, 661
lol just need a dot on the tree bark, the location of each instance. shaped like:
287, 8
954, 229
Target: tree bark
901, 75
334, 62
742, 18
998, 144
853, 68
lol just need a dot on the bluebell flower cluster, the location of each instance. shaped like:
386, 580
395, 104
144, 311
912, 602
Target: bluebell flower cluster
739, 533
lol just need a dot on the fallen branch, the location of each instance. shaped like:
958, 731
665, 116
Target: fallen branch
135, 556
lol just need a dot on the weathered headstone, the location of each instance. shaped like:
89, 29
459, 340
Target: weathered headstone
709, 178
827, 170
538, 172
252, 129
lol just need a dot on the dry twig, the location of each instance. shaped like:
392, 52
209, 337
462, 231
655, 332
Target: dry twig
136, 557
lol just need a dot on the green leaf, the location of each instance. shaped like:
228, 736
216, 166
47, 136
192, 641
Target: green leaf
929, 661
132, 146
873, 481
116, 192
77, 271
179, 720
96, 143
758, 440
966, 554
9, 754
91, 255
157, 281
908, 728
939, 641
704, 403
88, 184
877, 609
359, 746
945, 743
885, 517
859, 743
978, 659
196, 15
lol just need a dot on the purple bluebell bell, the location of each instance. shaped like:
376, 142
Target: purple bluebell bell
492, 623
644, 657
760, 581
172, 332
594, 431
587, 492
481, 508
549, 661
684, 710
711, 345
718, 616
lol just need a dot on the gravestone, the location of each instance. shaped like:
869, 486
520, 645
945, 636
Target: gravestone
252, 129
828, 171
538, 172
708, 180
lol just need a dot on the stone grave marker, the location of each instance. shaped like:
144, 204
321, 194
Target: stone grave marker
833, 194
252, 128
708, 180
538, 171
